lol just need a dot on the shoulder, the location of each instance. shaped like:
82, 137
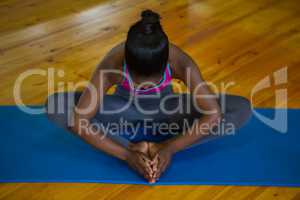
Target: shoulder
179, 60
112, 63
114, 58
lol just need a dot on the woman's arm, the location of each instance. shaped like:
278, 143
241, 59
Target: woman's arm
185, 67
100, 83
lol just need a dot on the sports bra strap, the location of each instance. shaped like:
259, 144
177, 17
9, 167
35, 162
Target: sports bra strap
127, 82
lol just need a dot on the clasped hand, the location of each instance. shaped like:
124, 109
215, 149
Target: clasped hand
149, 159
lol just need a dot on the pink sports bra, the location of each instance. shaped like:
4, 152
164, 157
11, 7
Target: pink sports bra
127, 82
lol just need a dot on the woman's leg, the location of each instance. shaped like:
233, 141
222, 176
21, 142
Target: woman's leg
236, 111
59, 107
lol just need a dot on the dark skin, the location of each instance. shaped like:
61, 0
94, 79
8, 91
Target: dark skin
149, 159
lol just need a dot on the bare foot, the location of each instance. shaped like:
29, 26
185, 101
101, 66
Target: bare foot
140, 147
153, 149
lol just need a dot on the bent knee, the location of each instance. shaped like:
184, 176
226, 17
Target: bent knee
238, 110
58, 108
245, 107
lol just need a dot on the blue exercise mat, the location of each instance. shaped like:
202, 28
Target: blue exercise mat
32, 149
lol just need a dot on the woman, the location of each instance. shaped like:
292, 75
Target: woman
148, 63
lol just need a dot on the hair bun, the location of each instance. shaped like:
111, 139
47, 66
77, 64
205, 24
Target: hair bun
150, 17
149, 21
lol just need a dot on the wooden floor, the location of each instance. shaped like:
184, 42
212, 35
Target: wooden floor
239, 40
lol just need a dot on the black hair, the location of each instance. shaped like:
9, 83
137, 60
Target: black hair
147, 45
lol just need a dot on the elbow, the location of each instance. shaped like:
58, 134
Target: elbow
79, 129
81, 126
76, 124
216, 117
73, 128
